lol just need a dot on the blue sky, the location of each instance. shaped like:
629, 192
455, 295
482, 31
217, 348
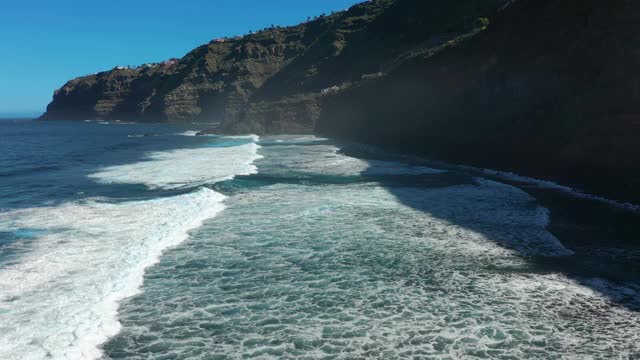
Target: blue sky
44, 43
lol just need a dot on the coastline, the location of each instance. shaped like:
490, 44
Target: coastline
601, 232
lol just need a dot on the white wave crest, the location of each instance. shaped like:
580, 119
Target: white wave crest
546, 184
184, 167
254, 138
188, 133
60, 301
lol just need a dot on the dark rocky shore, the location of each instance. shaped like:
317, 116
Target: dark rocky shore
544, 88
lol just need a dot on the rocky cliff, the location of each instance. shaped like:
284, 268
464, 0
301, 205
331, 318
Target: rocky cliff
270, 81
550, 89
211, 83
546, 88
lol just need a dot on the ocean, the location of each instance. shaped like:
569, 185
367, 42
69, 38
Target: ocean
144, 241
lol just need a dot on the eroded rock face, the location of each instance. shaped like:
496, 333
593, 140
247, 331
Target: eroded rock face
209, 84
269, 81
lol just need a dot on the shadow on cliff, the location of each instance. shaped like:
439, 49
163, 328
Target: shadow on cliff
597, 241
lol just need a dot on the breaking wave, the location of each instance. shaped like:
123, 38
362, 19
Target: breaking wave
184, 167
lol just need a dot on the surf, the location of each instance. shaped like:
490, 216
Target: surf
182, 168
60, 297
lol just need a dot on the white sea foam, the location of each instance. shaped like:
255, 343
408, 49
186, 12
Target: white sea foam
184, 167
496, 212
188, 133
492, 212
254, 138
296, 139
60, 301
545, 184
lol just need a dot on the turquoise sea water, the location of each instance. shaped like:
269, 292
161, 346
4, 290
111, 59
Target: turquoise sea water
181, 247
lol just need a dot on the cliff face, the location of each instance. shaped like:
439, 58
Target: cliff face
545, 88
211, 83
270, 81
215, 82
550, 90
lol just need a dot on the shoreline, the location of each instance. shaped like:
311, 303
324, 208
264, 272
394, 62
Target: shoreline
602, 233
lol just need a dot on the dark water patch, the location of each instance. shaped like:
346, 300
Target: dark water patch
260, 179
116, 147
604, 238
247, 182
420, 180
27, 171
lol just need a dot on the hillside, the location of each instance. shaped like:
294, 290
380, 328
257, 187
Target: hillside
545, 88
270, 81
550, 90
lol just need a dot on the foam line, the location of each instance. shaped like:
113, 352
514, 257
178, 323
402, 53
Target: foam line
545, 184
184, 167
61, 300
